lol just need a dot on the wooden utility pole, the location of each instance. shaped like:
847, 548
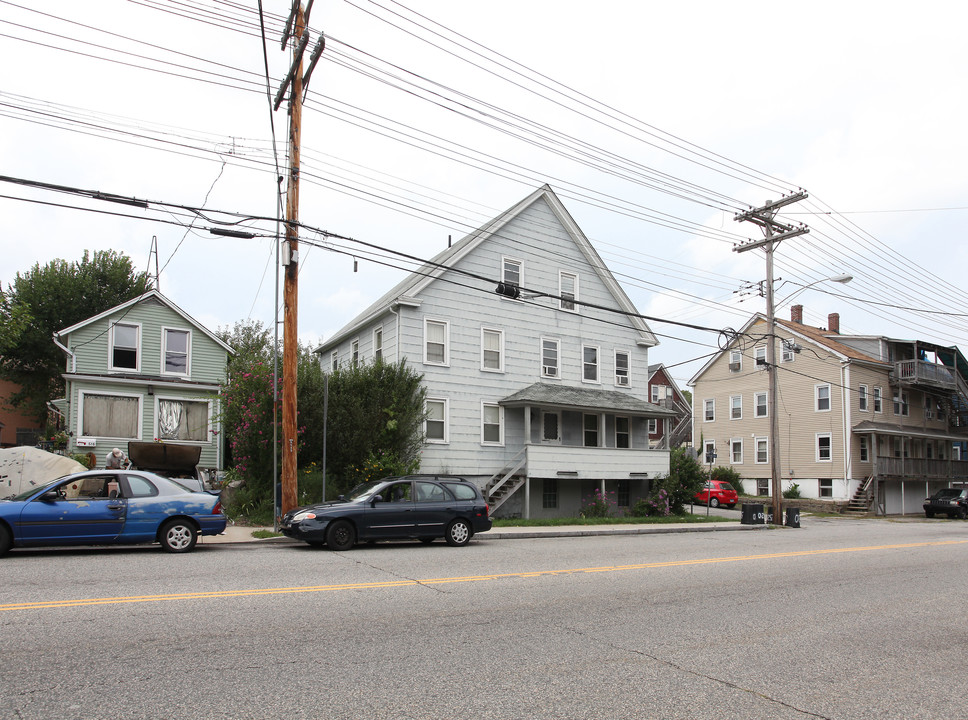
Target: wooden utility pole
295, 82
765, 217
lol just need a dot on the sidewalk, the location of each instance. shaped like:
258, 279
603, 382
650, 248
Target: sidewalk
243, 533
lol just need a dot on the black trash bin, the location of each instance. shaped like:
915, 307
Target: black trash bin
752, 514
792, 517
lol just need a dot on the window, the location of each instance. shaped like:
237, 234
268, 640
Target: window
826, 488
182, 420
901, 404
124, 347
653, 426
929, 450
590, 430
763, 486
549, 493
492, 425
654, 393
823, 447
762, 450
735, 360
709, 410
177, 345
786, 351
736, 451
140, 487
589, 371
568, 291
355, 352
622, 493
550, 422
435, 342
492, 350
709, 452
736, 407
435, 424
621, 368
877, 400
928, 407
378, 344
622, 433
549, 357
431, 492
862, 398
759, 355
113, 416
760, 408
511, 272
334, 361
823, 397
864, 450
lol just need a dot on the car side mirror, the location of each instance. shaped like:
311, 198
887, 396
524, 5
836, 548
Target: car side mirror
375, 499
341, 498
51, 495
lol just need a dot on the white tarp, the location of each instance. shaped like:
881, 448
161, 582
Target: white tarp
22, 468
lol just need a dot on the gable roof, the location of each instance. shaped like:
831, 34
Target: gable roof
814, 335
653, 369
406, 291
150, 295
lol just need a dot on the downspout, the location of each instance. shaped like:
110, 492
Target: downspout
848, 433
396, 339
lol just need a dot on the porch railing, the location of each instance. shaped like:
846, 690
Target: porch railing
921, 468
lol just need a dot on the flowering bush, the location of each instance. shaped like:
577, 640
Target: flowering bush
379, 464
598, 505
656, 505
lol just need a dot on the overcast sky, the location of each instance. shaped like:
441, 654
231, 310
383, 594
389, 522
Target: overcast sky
654, 122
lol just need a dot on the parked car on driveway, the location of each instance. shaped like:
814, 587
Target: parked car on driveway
425, 507
716, 493
952, 502
108, 507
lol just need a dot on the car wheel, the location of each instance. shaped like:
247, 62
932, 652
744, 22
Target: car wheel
458, 533
5, 540
178, 536
426, 540
340, 536
929, 513
713, 502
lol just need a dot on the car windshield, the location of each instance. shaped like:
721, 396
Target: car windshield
949, 493
27, 493
363, 490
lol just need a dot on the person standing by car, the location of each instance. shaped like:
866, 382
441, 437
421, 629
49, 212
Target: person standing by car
117, 460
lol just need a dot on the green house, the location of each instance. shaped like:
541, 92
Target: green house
143, 371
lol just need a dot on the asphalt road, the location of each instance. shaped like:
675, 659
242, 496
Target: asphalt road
839, 619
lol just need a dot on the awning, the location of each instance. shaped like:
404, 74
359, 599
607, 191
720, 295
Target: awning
584, 399
884, 428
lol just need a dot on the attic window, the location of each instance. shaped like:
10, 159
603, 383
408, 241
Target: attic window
511, 272
176, 351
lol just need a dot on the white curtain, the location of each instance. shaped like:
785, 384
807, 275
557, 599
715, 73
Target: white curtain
183, 420
110, 416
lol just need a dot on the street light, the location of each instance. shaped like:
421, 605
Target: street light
771, 367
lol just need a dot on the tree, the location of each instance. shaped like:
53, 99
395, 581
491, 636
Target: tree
686, 477
49, 298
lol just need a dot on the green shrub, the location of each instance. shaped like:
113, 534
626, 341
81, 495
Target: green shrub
598, 504
792, 492
727, 474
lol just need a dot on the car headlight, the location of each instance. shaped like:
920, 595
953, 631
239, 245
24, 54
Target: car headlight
304, 515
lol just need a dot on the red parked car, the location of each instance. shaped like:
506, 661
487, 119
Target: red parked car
716, 493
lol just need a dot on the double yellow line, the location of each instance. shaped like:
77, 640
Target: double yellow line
50, 604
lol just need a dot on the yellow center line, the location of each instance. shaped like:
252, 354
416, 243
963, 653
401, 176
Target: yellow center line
44, 605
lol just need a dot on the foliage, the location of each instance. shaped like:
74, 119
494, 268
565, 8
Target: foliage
378, 464
598, 505
50, 298
792, 492
727, 474
254, 504
85, 459
686, 477
656, 505
247, 408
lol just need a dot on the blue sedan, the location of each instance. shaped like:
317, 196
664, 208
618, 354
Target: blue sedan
102, 507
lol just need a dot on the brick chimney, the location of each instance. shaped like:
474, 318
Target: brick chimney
833, 323
796, 314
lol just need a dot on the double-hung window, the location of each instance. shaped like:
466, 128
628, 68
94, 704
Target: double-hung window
512, 272
589, 372
823, 447
709, 410
113, 416
622, 433
862, 398
735, 361
492, 350
864, 449
762, 450
355, 352
550, 352
435, 422
736, 407
334, 361
125, 347
492, 424
378, 344
622, 368
590, 430
183, 420
435, 342
901, 404
822, 398
736, 451
760, 408
878, 400
176, 351
568, 291
759, 356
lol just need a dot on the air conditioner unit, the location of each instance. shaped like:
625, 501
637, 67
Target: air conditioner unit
549, 370
621, 380
734, 367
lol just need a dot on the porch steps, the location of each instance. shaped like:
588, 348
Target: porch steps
860, 503
496, 499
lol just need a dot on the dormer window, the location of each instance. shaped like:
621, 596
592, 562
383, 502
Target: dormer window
125, 342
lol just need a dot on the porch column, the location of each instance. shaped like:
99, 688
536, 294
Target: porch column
527, 424
601, 433
527, 497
